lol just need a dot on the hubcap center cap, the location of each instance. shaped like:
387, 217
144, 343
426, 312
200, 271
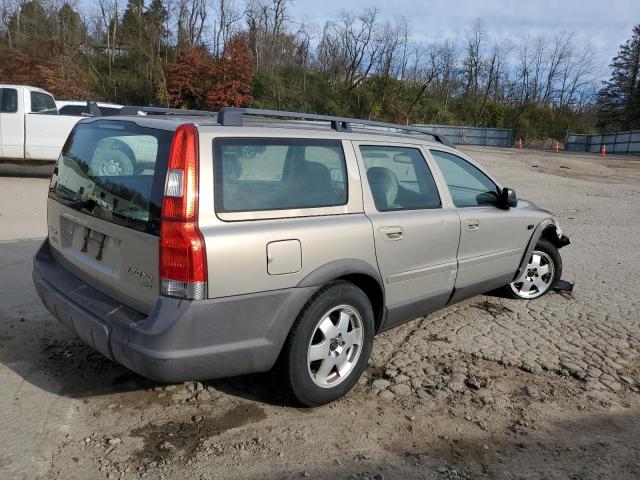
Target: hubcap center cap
336, 346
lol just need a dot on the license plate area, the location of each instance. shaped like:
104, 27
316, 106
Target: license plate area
90, 248
95, 240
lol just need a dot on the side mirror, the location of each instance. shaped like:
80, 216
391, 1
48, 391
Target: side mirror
508, 198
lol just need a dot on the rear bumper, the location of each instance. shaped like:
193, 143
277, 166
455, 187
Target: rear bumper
179, 340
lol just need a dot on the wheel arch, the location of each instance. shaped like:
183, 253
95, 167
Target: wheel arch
358, 272
550, 233
545, 229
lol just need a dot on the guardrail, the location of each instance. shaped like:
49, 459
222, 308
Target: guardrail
494, 137
627, 142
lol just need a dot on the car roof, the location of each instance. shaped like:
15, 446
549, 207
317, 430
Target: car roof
27, 87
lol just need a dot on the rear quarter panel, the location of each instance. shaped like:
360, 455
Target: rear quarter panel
237, 250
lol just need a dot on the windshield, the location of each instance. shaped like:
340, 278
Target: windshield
114, 171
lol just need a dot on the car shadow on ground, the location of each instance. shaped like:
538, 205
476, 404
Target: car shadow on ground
62, 364
43, 352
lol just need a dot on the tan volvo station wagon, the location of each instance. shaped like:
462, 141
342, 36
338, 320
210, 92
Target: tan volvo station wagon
197, 245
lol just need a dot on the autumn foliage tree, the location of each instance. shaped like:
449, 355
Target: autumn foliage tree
190, 78
233, 75
196, 80
39, 47
58, 75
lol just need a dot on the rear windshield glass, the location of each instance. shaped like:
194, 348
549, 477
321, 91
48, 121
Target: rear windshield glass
106, 111
72, 110
114, 171
278, 174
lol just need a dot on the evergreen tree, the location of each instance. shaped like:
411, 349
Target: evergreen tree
619, 100
133, 23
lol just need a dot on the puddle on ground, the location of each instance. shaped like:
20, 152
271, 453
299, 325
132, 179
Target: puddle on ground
166, 439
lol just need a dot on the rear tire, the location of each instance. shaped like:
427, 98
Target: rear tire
540, 275
329, 345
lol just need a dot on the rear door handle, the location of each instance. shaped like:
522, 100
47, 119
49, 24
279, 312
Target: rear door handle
471, 224
391, 234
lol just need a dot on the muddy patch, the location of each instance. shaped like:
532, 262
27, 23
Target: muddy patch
434, 337
493, 308
183, 438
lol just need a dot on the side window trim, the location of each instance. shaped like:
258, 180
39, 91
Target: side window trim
441, 173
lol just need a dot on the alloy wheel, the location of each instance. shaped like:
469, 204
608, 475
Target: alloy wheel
537, 276
335, 346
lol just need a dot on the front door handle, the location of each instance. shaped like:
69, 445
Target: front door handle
471, 224
391, 234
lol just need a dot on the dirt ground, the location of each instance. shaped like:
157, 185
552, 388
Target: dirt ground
489, 388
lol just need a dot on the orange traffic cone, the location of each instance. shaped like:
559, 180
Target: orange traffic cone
603, 151
556, 148
519, 143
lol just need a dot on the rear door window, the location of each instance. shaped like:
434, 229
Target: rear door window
278, 174
114, 171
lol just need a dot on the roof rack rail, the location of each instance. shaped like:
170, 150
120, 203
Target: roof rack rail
233, 117
165, 111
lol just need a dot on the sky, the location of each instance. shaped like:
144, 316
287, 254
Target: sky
605, 24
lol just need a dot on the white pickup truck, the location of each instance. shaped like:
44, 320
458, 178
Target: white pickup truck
31, 129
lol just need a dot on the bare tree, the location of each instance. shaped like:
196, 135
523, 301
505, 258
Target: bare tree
8, 10
228, 16
110, 20
577, 83
473, 64
191, 17
351, 47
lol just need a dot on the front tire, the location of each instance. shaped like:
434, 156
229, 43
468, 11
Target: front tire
541, 273
329, 345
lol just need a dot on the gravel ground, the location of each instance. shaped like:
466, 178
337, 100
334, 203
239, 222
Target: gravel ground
489, 388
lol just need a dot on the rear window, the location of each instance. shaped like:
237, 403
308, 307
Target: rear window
8, 100
42, 103
278, 174
114, 171
106, 111
72, 110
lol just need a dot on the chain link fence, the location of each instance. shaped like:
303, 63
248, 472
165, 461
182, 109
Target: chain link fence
616, 142
493, 137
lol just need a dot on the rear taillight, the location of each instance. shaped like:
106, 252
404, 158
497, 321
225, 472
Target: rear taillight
183, 258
